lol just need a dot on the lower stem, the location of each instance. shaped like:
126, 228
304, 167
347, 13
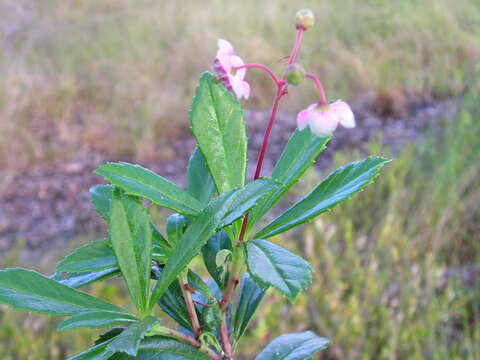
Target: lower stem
227, 346
237, 263
190, 305
186, 339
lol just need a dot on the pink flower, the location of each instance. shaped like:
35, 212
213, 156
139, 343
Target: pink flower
224, 66
324, 119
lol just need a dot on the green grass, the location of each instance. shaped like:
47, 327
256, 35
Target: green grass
118, 75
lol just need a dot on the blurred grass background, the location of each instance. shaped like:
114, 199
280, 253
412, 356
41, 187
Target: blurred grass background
117, 75
396, 268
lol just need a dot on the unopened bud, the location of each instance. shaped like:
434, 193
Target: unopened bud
295, 74
305, 19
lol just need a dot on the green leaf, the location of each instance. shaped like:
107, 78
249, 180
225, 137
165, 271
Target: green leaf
95, 256
189, 245
158, 239
198, 284
173, 303
96, 319
160, 254
219, 128
97, 352
76, 280
199, 180
108, 335
270, 264
176, 226
161, 348
337, 187
138, 181
296, 346
101, 196
129, 340
251, 296
218, 242
299, 154
131, 237
28, 290
246, 198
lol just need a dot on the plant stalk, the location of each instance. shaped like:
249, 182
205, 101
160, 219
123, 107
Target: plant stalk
186, 339
190, 305
237, 265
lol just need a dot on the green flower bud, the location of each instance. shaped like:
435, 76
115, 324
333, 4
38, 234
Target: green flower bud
295, 74
305, 19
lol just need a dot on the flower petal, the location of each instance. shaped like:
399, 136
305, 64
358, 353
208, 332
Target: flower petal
344, 114
246, 89
303, 118
237, 61
323, 122
225, 46
224, 59
239, 87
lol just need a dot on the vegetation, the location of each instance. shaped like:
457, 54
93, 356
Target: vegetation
397, 281
101, 71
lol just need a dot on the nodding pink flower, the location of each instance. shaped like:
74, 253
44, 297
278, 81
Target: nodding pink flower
225, 65
324, 119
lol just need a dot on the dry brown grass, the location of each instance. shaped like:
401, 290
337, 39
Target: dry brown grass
118, 75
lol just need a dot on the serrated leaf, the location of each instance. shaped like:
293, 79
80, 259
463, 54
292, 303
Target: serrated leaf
337, 187
131, 237
199, 180
176, 226
158, 239
97, 352
251, 296
129, 340
76, 280
219, 128
299, 154
161, 348
93, 257
189, 245
160, 254
108, 335
214, 245
173, 303
28, 290
296, 346
270, 264
96, 319
247, 197
138, 181
101, 196
198, 284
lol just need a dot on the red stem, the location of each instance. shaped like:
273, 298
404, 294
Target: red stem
296, 46
227, 347
321, 90
261, 67
271, 122
190, 308
191, 341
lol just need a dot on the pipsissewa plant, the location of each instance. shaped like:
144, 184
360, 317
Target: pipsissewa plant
214, 218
